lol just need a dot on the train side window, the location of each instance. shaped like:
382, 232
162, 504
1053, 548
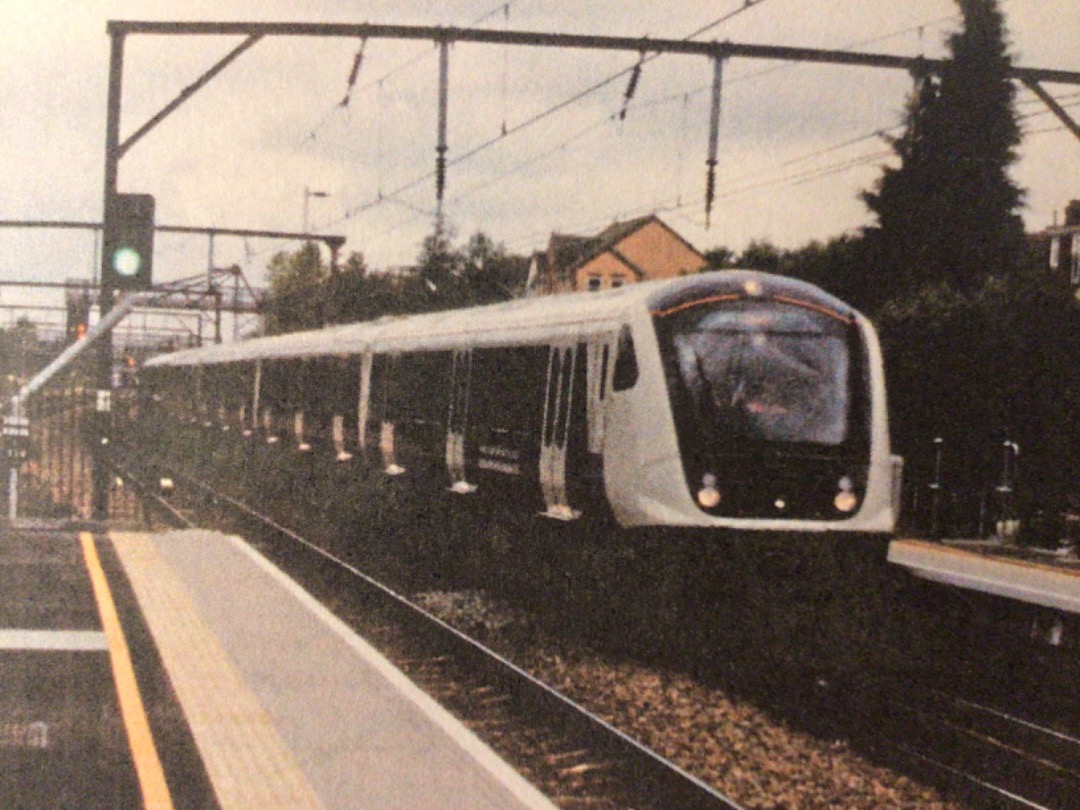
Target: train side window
605, 355
423, 385
342, 385
554, 369
562, 426
626, 365
273, 384
506, 398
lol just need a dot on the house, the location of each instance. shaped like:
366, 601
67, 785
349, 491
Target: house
1058, 247
623, 253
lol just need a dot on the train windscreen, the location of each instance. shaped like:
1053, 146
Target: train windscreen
761, 371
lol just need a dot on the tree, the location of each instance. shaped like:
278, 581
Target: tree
976, 371
490, 273
762, 255
446, 277
296, 297
720, 258
439, 267
348, 292
948, 211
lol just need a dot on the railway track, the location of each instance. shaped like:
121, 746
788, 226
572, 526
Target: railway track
578, 758
995, 757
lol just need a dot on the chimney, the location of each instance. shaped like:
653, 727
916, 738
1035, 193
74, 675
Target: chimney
1072, 213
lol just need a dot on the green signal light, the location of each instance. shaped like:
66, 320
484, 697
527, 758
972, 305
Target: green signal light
127, 261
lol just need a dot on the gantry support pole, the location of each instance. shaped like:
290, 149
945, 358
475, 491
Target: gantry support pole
1052, 104
100, 473
440, 148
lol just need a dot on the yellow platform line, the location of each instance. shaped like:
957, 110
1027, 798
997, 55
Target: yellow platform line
155, 790
247, 761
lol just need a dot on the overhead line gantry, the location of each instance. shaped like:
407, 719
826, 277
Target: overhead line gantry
443, 36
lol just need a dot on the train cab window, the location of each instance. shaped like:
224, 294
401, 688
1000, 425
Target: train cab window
763, 372
626, 366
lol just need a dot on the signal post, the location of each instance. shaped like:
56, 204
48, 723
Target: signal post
126, 264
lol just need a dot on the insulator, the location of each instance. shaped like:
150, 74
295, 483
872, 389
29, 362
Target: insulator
357, 60
354, 73
631, 87
440, 175
710, 191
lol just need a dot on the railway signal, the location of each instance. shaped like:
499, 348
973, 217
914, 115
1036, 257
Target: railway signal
129, 242
78, 317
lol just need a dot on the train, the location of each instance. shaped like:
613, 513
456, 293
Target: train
733, 399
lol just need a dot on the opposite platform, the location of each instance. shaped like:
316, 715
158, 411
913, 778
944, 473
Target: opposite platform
288, 707
994, 568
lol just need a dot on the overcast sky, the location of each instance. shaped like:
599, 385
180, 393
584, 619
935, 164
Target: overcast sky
797, 142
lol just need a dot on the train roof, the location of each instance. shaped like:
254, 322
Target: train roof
521, 321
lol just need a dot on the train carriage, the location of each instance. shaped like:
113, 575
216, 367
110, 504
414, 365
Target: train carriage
732, 399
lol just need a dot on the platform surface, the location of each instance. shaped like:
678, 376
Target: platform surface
74, 726
184, 670
993, 568
289, 707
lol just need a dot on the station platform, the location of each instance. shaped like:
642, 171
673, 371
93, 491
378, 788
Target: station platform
183, 669
1024, 575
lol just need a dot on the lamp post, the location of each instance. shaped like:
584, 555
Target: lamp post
935, 489
308, 194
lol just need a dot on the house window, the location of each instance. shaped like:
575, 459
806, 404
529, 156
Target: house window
617, 282
594, 283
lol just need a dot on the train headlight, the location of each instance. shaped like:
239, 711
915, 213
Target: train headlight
846, 500
708, 496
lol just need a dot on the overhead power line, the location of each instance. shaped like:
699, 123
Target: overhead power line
535, 119
633, 70
502, 8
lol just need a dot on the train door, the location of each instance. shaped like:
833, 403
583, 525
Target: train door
458, 420
327, 401
345, 387
256, 394
199, 413
379, 412
598, 358
299, 375
363, 405
556, 433
277, 399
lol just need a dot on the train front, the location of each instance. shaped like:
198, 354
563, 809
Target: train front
778, 406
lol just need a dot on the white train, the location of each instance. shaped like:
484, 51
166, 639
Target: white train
731, 399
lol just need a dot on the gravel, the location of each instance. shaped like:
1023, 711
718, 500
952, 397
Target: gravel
741, 749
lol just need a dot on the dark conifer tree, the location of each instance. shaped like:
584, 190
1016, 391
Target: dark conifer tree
948, 212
